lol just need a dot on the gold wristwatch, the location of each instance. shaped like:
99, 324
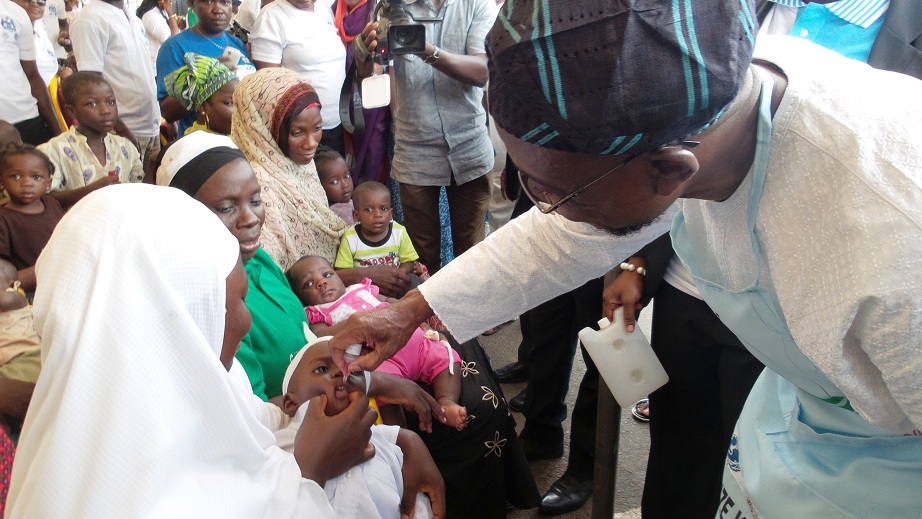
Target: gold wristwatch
432, 58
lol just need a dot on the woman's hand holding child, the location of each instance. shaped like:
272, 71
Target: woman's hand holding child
327, 446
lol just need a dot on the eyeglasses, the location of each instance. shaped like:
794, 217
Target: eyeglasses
547, 202
37, 2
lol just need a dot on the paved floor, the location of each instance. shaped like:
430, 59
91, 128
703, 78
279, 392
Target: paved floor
632, 457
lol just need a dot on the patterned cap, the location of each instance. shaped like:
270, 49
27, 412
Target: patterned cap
616, 76
195, 82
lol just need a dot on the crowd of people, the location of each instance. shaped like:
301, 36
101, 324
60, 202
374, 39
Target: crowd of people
200, 218
259, 143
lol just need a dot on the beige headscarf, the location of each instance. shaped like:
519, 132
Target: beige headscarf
299, 220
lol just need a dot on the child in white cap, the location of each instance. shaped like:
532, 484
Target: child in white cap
372, 489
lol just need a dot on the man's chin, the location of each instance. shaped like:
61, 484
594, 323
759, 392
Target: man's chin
629, 230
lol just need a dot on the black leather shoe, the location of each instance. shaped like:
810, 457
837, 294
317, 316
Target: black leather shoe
566, 495
517, 403
535, 451
512, 373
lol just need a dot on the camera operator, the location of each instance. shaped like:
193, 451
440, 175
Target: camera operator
441, 136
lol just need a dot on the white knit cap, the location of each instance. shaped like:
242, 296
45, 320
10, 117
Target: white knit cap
187, 148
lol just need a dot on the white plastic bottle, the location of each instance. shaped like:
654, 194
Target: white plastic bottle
625, 360
352, 353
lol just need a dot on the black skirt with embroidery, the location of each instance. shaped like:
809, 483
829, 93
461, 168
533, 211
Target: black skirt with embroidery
483, 465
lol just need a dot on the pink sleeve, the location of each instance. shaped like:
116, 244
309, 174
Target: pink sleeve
371, 288
315, 316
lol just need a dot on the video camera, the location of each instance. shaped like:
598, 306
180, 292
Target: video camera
399, 32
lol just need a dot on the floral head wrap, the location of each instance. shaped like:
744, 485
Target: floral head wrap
195, 82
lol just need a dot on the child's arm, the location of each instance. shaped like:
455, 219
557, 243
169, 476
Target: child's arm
323, 329
27, 279
419, 475
384, 299
72, 196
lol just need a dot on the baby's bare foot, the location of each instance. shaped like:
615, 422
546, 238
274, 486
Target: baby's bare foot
455, 415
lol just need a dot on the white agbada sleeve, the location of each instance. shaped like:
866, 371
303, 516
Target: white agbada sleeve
134, 414
528, 261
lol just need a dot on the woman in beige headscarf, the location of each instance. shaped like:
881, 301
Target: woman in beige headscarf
277, 125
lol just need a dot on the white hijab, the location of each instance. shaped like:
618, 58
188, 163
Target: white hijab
134, 415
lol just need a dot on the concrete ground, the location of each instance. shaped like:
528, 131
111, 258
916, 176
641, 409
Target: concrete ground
632, 453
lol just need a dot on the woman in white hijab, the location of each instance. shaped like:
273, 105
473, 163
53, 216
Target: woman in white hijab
140, 410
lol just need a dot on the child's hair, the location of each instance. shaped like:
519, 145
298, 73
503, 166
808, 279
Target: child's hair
291, 280
13, 149
368, 187
8, 274
75, 83
323, 155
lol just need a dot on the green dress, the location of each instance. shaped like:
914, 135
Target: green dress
278, 326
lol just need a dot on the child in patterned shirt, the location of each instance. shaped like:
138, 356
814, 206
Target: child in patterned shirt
88, 157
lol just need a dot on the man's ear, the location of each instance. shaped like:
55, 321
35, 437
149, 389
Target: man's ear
289, 405
673, 166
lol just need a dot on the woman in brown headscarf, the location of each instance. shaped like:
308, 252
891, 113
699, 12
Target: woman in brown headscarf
277, 125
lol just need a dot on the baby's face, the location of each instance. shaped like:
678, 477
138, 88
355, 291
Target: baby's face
315, 282
315, 375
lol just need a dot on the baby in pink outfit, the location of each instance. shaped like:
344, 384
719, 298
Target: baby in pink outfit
425, 358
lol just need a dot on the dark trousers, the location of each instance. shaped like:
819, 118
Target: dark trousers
34, 131
467, 208
552, 333
692, 417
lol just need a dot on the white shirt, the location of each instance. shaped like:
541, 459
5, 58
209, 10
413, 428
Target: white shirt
16, 43
112, 41
157, 29
54, 12
247, 13
528, 261
307, 43
370, 490
44, 53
